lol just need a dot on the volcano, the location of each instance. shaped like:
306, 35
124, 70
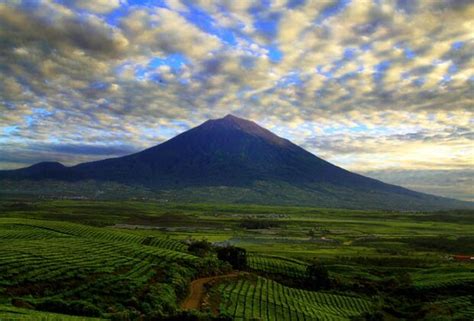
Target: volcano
227, 160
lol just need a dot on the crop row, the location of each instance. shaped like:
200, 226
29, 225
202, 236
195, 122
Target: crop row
9, 313
271, 301
37, 229
36, 261
443, 280
277, 265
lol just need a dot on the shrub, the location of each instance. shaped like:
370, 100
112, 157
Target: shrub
200, 248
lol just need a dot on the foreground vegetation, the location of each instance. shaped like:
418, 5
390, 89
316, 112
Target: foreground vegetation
90, 260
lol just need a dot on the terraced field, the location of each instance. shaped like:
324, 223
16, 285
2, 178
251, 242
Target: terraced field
9, 313
66, 260
427, 280
42, 261
45, 251
271, 301
463, 306
277, 265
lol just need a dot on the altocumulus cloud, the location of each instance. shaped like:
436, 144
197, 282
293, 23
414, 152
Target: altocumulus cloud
374, 86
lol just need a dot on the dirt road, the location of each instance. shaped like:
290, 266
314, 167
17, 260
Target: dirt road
197, 290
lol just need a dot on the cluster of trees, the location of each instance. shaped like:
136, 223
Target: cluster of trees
76, 307
258, 224
120, 298
463, 244
317, 276
175, 316
235, 256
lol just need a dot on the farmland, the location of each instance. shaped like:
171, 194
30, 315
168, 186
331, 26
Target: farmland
92, 260
268, 300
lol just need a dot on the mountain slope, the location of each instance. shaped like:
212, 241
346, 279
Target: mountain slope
232, 159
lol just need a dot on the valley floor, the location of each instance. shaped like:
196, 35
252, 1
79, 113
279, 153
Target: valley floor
93, 260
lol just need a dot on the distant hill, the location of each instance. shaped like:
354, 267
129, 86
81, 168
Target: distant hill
222, 160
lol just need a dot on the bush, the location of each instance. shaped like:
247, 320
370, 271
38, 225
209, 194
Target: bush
200, 248
212, 266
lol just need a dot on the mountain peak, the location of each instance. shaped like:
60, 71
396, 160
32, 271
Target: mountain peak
232, 119
232, 122
48, 165
234, 159
230, 116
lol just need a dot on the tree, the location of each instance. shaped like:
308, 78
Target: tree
318, 276
236, 256
200, 248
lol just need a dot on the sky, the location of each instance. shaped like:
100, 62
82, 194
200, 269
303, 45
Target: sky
382, 88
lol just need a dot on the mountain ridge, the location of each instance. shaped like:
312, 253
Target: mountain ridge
241, 155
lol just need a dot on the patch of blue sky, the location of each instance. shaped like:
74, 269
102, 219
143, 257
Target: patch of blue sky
292, 4
274, 53
291, 79
9, 129
407, 51
407, 6
446, 78
206, 23
348, 55
157, 79
116, 15
264, 21
267, 24
41, 112
365, 47
359, 128
379, 70
53, 140
174, 61
348, 76
452, 69
409, 54
320, 70
29, 120
419, 82
141, 72
332, 10
148, 3
457, 45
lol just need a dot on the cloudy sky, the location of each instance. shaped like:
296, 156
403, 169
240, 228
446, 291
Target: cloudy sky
384, 88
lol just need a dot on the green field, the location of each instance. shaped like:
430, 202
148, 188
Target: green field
89, 260
269, 300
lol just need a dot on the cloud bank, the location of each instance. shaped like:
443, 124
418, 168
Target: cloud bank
368, 85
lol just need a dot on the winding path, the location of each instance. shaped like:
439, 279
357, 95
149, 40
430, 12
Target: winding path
197, 290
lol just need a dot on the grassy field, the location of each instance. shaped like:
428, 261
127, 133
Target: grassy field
87, 260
